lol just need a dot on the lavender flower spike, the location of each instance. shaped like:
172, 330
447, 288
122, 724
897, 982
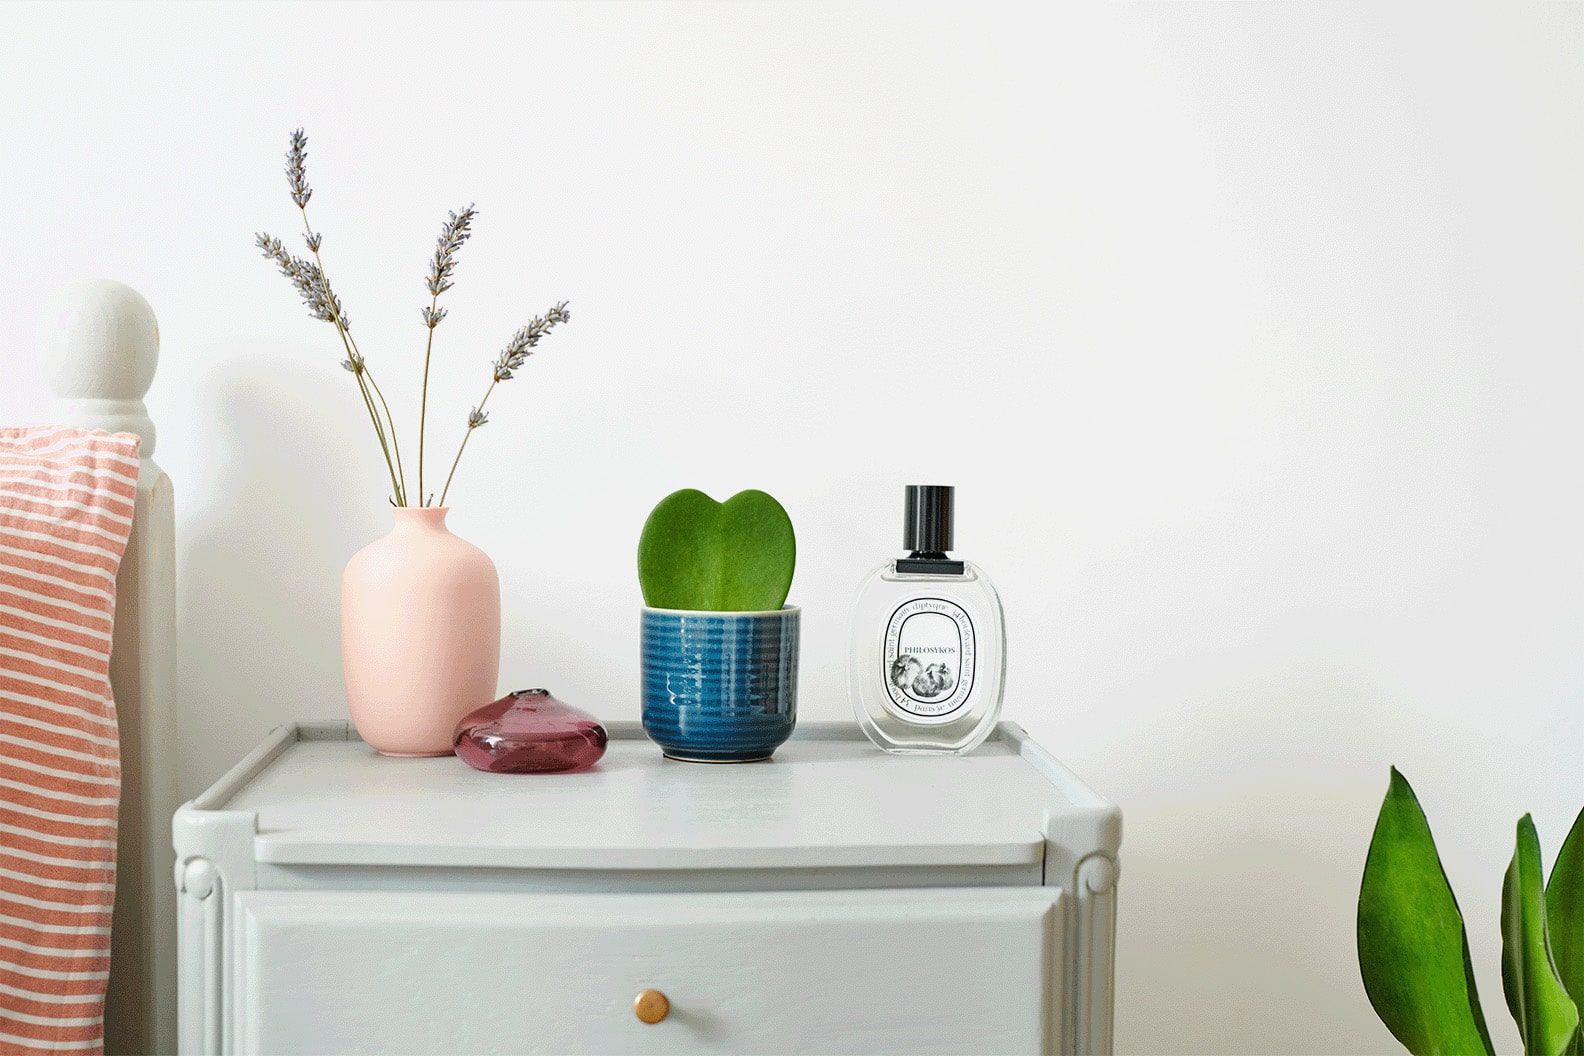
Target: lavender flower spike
455, 231
297, 169
524, 341
305, 275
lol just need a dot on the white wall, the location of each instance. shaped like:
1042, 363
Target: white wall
1251, 337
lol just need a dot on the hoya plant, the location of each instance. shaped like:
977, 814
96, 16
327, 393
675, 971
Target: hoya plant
1413, 950
708, 556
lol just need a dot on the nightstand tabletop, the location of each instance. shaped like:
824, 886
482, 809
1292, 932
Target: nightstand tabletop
827, 799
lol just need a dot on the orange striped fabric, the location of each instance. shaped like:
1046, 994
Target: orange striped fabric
66, 501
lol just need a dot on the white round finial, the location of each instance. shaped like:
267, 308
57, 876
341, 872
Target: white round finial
103, 342
101, 345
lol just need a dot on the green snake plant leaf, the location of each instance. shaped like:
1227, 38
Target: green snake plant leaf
1565, 911
707, 556
1412, 949
1546, 1016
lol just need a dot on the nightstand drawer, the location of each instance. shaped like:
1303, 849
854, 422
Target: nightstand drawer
910, 971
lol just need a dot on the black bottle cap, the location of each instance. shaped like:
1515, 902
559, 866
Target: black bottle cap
928, 519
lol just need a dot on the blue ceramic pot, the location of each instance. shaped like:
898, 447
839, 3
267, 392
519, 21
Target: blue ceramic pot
719, 687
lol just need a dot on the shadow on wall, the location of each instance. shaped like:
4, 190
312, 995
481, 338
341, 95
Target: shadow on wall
260, 567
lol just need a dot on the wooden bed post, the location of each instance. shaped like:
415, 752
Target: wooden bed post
103, 346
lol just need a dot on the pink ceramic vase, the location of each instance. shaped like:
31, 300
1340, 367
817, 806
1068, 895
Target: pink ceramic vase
420, 634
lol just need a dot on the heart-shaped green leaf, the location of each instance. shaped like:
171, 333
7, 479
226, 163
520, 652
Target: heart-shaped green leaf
1565, 911
707, 556
1546, 1016
1412, 949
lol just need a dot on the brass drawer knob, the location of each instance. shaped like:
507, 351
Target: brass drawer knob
651, 1006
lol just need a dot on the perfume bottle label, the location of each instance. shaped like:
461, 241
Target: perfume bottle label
928, 658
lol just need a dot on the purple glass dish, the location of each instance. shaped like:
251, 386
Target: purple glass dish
529, 732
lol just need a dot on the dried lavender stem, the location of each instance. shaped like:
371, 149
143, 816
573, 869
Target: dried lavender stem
465, 437
512, 357
454, 461
323, 304
391, 418
423, 409
379, 434
398, 488
456, 230
374, 384
397, 492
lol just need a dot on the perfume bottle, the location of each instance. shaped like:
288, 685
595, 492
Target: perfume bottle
928, 641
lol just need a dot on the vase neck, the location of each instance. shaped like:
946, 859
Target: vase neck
420, 518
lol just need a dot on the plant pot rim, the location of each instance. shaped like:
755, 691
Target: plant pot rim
785, 610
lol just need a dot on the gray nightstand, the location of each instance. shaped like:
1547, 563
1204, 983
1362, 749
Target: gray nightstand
834, 899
